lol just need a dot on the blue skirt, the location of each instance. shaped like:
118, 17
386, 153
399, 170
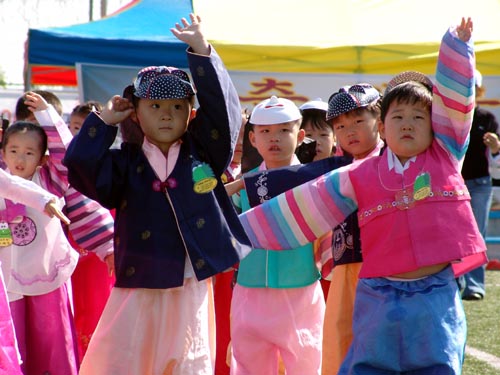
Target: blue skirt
410, 327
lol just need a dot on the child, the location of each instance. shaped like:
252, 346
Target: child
91, 225
475, 171
315, 127
277, 295
39, 261
354, 113
223, 282
415, 220
80, 113
175, 225
90, 233
30, 194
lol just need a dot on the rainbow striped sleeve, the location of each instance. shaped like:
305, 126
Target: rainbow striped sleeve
454, 96
303, 214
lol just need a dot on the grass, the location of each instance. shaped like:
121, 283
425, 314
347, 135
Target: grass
483, 327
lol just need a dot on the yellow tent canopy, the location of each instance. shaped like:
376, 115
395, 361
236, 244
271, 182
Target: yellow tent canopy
348, 36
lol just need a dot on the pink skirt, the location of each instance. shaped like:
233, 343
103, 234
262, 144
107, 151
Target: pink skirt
9, 355
45, 333
155, 331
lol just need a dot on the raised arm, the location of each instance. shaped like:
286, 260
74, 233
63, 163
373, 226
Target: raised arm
28, 193
303, 214
454, 96
218, 118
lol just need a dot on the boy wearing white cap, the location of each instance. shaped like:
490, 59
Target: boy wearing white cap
175, 225
353, 111
278, 306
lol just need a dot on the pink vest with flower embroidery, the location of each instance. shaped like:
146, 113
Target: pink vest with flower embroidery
403, 230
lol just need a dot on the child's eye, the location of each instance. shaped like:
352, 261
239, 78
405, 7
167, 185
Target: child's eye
178, 106
156, 106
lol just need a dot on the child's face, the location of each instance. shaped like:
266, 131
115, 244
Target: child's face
407, 129
325, 140
276, 143
75, 123
356, 132
23, 154
163, 121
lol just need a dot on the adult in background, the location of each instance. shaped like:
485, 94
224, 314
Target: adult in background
483, 140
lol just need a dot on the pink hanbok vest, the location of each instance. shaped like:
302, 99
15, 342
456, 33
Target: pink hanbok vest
408, 220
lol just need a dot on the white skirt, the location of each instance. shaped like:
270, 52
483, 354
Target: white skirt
155, 332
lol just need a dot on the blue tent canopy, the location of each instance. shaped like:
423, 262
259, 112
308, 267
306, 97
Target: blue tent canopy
138, 35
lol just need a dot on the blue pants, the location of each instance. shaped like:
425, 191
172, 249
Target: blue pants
407, 327
481, 194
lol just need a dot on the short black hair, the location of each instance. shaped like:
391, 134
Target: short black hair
24, 127
410, 92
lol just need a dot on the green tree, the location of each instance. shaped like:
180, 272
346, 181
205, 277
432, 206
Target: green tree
3, 83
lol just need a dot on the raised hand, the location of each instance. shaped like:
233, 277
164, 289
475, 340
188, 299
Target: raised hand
116, 110
464, 29
35, 102
191, 34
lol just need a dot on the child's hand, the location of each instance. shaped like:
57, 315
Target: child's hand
35, 102
192, 35
52, 209
110, 262
491, 141
464, 30
116, 110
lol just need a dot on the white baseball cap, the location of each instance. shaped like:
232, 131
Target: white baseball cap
274, 111
317, 103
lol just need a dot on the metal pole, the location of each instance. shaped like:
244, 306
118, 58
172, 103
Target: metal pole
91, 10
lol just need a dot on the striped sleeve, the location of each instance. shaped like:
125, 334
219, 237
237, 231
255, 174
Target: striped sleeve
454, 95
91, 224
301, 215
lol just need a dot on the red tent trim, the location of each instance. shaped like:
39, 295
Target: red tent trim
52, 75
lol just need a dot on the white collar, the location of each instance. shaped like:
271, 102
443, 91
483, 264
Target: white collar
394, 163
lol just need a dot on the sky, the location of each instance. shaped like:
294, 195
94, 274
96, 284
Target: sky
17, 16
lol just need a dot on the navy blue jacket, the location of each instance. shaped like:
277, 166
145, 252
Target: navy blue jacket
154, 229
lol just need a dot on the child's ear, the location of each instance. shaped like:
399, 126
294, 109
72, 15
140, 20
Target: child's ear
381, 128
300, 136
251, 138
44, 159
133, 116
192, 115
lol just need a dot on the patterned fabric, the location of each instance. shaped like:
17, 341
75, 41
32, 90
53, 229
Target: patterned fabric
162, 82
349, 98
